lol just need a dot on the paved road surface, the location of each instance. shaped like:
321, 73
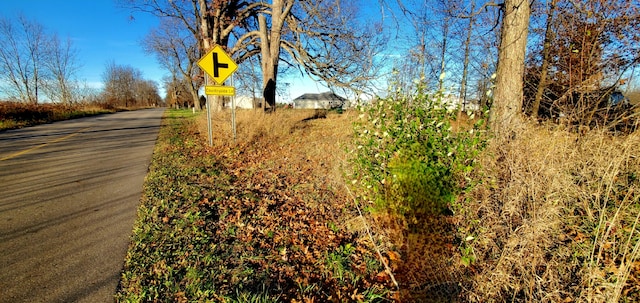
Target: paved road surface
68, 198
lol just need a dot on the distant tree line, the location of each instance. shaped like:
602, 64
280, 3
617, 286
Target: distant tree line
37, 66
124, 86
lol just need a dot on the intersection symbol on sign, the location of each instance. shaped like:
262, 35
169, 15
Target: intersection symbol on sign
218, 64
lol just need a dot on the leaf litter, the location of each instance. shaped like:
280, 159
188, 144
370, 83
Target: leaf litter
261, 219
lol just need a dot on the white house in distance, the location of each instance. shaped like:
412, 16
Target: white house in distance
326, 100
247, 102
453, 102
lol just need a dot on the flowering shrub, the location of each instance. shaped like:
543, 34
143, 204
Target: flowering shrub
408, 159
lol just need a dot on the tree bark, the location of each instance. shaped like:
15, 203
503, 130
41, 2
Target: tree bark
465, 64
443, 54
542, 85
269, 70
270, 49
508, 95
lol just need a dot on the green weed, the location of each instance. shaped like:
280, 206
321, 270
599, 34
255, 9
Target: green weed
408, 159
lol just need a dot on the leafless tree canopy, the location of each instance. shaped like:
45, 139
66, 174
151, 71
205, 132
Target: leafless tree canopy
37, 65
124, 86
585, 50
321, 38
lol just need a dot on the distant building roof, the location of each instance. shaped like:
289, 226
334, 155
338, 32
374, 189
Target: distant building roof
329, 96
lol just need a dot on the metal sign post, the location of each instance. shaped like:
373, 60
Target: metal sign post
209, 128
233, 112
218, 66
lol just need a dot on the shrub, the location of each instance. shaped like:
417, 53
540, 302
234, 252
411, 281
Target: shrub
408, 159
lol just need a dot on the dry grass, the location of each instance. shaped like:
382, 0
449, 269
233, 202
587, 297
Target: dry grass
17, 115
289, 143
256, 220
287, 138
556, 219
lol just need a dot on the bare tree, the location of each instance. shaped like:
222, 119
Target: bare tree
508, 94
351, 54
176, 50
248, 80
61, 66
546, 57
465, 63
21, 57
313, 32
321, 38
427, 52
32, 63
122, 86
270, 38
208, 22
452, 40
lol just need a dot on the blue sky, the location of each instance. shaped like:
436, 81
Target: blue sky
101, 32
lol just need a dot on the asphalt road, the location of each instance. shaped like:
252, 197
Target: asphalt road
68, 198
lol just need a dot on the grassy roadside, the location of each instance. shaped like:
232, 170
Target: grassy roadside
17, 115
554, 217
260, 220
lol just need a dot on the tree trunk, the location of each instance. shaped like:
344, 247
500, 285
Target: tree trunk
445, 34
508, 94
542, 85
270, 49
269, 67
465, 64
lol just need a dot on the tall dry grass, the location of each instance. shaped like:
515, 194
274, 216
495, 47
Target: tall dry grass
292, 139
555, 219
17, 114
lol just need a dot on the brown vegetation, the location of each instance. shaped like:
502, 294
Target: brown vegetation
554, 218
17, 114
287, 176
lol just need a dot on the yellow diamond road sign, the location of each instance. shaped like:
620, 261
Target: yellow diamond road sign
218, 64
